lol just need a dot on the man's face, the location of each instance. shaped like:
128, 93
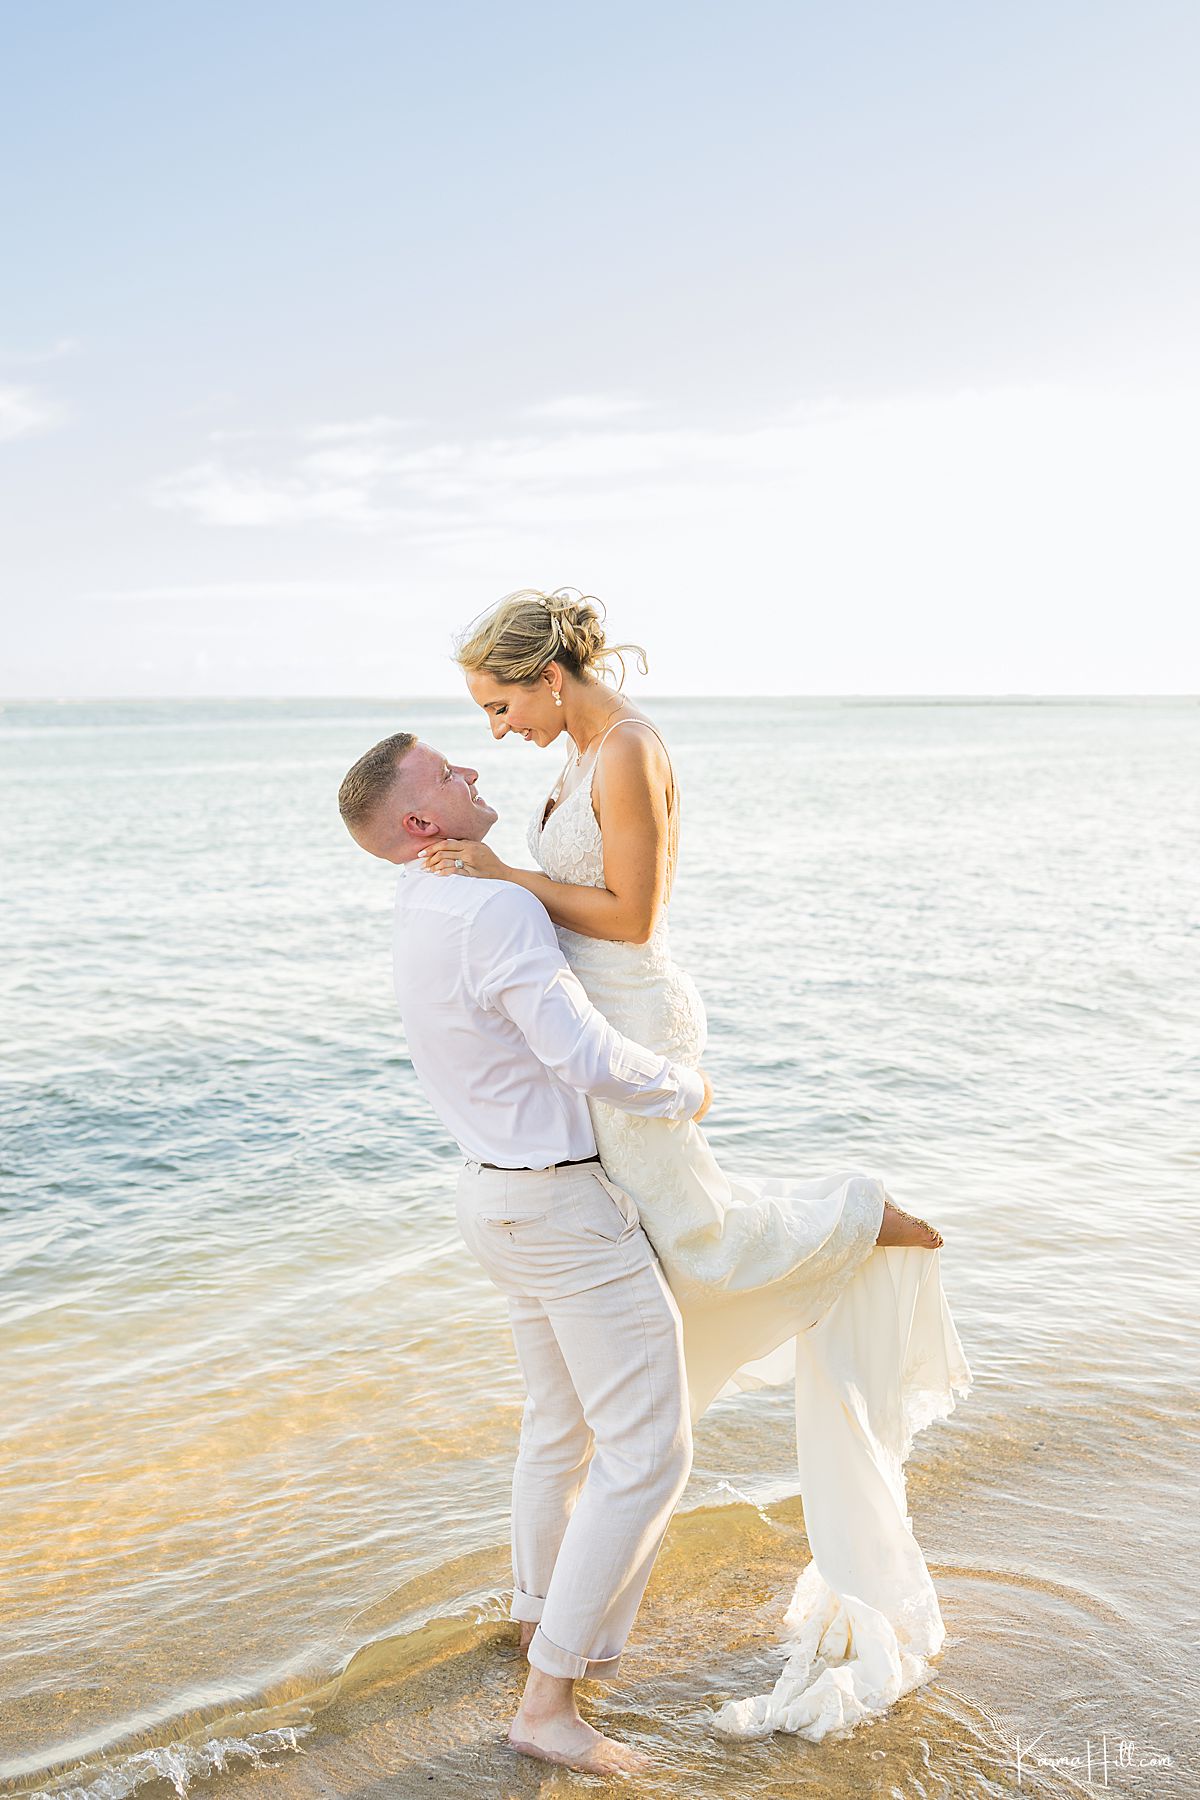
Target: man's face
430, 798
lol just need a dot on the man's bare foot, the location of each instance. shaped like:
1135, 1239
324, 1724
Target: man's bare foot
566, 1738
901, 1228
528, 1627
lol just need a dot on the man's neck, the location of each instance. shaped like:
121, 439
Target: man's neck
410, 861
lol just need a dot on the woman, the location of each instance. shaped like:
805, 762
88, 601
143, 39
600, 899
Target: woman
822, 1280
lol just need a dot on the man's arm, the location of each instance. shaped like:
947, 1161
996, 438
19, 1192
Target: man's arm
515, 967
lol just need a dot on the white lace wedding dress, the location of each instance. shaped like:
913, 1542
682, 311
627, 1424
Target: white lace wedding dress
778, 1278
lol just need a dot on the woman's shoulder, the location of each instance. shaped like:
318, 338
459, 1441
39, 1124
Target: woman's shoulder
632, 774
632, 743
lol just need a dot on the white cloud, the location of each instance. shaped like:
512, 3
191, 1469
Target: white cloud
23, 412
379, 425
235, 434
221, 495
243, 590
965, 474
66, 346
480, 484
584, 409
1034, 536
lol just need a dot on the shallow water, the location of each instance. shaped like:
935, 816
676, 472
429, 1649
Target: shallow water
260, 1410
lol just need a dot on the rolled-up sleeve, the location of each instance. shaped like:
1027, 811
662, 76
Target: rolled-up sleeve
514, 966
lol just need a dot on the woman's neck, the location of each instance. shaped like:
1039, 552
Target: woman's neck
589, 716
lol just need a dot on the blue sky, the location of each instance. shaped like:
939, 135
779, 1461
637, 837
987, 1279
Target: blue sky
840, 349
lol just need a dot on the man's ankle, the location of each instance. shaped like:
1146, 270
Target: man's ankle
547, 1696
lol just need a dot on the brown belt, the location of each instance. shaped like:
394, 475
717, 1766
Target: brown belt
568, 1162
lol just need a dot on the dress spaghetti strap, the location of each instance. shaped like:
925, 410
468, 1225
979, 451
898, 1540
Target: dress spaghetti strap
658, 734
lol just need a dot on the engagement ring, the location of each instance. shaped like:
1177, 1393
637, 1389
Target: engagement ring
458, 862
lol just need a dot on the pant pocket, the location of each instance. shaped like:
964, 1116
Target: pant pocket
605, 1210
512, 1216
497, 1203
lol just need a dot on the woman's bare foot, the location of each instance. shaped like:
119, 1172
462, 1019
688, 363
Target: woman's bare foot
902, 1229
566, 1738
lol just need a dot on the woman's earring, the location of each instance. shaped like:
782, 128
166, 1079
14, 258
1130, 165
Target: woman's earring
557, 698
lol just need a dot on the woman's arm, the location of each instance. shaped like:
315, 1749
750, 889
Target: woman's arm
632, 782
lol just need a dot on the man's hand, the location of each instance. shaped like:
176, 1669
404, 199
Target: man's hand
443, 855
707, 1100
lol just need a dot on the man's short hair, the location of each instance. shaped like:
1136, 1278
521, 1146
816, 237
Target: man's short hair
370, 780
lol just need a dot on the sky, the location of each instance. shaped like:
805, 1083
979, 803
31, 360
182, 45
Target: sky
839, 349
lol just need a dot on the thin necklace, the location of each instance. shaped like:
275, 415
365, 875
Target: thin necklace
579, 754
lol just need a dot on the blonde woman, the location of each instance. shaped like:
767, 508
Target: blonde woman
820, 1279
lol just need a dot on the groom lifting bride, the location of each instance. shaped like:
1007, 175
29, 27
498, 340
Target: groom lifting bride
506, 1046
559, 1044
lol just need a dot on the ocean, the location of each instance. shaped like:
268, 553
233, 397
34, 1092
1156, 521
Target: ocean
260, 1408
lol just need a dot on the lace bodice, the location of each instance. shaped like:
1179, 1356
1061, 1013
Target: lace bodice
571, 837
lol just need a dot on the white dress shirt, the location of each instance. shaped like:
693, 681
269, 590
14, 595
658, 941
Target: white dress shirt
504, 1040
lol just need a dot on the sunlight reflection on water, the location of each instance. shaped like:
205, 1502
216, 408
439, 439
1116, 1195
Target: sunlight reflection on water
261, 1409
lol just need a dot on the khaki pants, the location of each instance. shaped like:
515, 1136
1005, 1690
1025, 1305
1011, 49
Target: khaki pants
606, 1440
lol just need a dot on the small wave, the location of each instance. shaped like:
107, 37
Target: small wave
180, 1764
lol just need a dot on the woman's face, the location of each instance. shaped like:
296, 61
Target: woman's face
529, 711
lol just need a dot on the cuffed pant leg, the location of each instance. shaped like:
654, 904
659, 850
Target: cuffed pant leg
572, 1240
622, 1344
552, 1461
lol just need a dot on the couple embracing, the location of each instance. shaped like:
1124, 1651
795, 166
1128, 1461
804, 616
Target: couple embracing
560, 1045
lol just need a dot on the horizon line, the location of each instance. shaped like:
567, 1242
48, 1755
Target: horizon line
1015, 694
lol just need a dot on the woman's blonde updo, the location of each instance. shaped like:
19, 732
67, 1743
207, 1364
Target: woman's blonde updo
519, 636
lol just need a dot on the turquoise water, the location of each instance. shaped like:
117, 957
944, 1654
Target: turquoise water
260, 1408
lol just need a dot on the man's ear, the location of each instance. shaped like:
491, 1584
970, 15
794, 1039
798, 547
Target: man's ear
418, 826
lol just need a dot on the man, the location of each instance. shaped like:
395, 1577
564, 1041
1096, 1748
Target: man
507, 1046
